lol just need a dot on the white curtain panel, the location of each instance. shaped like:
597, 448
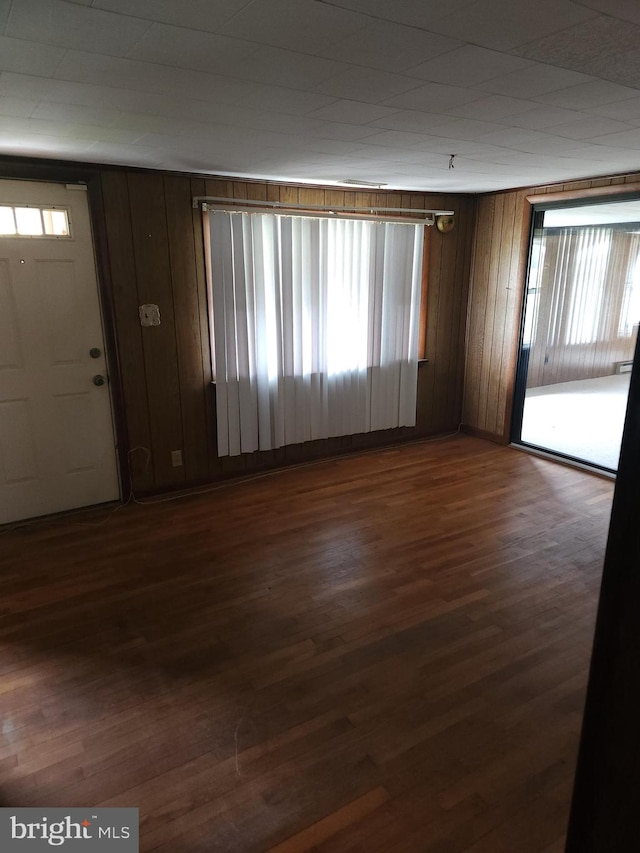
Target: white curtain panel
315, 327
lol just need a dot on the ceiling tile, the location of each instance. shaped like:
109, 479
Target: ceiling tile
607, 154
410, 120
207, 15
414, 13
295, 24
366, 84
139, 124
54, 22
311, 90
468, 66
185, 48
463, 128
588, 95
626, 10
352, 112
541, 117
620, 67
83, 67
491, 107
76, 113
243, 117
586, 46
29, 87
64, 129
505, 157
626, 139
504, 24
126, 155
549, 144
447, 146
29, 58
18, 107
65, 92
324, 145
5, 5
433, 97
279, 99
401, 139
279, 67
626, 110
533, 81
390, 47
351, 132
588, 127
521, 140
210, 88
40, 145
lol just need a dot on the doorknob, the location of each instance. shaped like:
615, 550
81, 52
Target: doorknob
94, 352
98, 379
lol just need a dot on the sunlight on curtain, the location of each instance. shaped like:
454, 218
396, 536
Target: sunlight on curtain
590, 260
630, 312
315, 327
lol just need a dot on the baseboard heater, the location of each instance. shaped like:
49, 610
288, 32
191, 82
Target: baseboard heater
622, 366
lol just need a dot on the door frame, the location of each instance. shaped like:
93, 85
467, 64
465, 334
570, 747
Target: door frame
60, 172
538, 205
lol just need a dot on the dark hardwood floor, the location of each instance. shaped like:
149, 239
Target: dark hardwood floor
386, 652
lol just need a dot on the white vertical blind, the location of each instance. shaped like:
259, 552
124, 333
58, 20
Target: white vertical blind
630, 312
315, 327
591, 249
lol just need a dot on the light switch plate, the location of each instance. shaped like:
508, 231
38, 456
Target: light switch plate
149, 315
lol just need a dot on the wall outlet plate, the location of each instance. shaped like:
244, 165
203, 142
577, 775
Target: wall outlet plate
176, 458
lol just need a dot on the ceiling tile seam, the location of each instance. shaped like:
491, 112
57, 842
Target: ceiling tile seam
138, 40
602, 77
58, 64
398, 23
561, 30
288, 88
540, 99
244, 79
234, 15
151, 21
193, 97
463, 42
351, 64
602, 13
476, 86
6, 23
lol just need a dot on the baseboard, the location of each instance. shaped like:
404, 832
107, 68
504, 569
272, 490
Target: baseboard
485, 434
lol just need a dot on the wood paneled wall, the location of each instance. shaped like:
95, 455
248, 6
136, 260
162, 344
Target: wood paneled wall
155, 254
500, 250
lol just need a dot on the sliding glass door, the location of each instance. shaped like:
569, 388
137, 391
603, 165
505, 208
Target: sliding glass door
581, 312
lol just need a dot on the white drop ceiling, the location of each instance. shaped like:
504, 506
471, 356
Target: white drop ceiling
319, 91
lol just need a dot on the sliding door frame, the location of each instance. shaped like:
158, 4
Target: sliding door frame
539, 205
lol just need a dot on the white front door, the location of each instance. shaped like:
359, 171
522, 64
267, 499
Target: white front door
57, 447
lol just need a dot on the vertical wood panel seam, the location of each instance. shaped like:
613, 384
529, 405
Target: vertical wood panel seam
173, 307
149, 463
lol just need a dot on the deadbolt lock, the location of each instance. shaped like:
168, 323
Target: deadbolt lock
94, 352
98, 379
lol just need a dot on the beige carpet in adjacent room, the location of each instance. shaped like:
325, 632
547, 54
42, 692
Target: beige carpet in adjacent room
583, 419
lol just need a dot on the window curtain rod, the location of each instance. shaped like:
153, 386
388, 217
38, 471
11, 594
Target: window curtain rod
388, 214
